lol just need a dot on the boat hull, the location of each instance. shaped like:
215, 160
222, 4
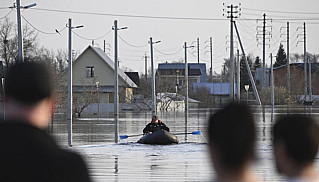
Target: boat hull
161, 137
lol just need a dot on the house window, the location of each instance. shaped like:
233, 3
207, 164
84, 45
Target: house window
89, 71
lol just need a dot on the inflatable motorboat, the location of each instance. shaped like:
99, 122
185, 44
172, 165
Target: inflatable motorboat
161, 137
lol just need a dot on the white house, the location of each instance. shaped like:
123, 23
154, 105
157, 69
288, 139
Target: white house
93, 71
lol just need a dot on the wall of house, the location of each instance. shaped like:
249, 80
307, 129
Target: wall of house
103, 73
297, 80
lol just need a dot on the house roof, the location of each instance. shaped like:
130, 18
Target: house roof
110, 62
191, 66
191, 72
314, 66
134, 77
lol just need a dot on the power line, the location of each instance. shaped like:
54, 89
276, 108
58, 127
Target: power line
130, 16
85, 38
195, 56
168, 54
48, 33
137, 46
288, 12
6, 14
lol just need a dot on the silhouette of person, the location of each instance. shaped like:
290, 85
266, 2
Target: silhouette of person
296, 141
231, 142
27, 152
155, 125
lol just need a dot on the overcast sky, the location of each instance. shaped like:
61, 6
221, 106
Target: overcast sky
208, 22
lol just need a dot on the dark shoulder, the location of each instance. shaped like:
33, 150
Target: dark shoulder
33, 151
74, 167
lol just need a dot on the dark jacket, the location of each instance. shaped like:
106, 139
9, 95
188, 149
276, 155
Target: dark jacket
29, 154
152, 127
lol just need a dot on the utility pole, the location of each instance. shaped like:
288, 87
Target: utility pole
20, 31
264, 34
231, 78
70, 97
70, 82
287, 58
248, 68
238, 76
116, 92
310, 88
288, 62
153, 77
305, 59
211, 58
272, 83
186, 77
264, 51
20, 35
198, 50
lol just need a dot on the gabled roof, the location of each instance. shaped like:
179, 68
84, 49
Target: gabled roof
134, 77
110, 62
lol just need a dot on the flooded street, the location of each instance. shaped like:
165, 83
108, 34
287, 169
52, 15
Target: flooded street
186, 161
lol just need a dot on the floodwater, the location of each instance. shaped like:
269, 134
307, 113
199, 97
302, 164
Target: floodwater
186, 161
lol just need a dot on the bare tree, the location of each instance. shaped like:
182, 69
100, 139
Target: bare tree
84, 98
9, 42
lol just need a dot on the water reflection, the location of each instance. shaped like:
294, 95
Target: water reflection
187, 161
116, 165
186, 117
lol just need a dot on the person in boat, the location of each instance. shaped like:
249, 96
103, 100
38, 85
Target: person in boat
296, 142
231, 143
28, 153
155, 125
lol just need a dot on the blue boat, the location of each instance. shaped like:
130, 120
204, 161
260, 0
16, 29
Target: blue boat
161, 137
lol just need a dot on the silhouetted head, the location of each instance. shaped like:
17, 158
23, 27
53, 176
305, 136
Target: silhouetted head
296, 139
29, 94
28, 82
231, 137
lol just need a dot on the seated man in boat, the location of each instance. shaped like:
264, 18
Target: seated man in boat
231, 143
155, 125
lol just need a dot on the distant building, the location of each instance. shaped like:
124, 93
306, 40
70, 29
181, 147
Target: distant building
93, 71
176, 73
196, 71
297, 77
259, 77
220, 91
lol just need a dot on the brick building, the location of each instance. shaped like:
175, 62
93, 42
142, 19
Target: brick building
297, 77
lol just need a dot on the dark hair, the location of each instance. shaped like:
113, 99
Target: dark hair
300, 136
28, 82
231, 132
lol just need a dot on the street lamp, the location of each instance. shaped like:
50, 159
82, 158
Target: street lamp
186, 76
70, 97
116, 94
247, 88
153, 76
20, 35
